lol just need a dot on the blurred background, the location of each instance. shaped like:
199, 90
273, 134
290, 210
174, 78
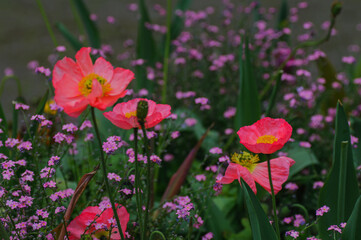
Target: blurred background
24, 37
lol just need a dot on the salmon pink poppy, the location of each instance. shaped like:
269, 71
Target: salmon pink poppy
82, 83
266, 135
97, 223
245, 165
124, 115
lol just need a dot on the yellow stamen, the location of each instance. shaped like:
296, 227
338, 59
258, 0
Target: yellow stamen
131, 114
246, 159
267, 139
86, 84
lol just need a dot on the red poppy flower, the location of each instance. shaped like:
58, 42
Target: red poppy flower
93, 222
82, 83
246, 166
266, 135
124, 115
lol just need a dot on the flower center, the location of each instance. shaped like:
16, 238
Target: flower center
86, 84
246, 159
131, 114
267, 139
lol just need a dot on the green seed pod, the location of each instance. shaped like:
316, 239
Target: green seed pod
142, 111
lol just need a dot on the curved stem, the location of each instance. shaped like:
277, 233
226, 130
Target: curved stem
18, 84
146, 147
47, 23
273, 198
105, 174
157, 232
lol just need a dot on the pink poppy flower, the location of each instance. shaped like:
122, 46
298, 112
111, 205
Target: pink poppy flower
82, 83
100, 225
124, 115
246, 166
266, 135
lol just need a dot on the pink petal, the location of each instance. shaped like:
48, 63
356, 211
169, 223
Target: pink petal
78, 225
119, 120
236, 171
280, 168
103, 68
120, 80
96, 93
66, 66
84, 61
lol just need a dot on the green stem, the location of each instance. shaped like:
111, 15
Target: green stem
342, 183
157, 232
146, 148
18, 84
273, 198
47, 23
105, 175
137, 178
166, 52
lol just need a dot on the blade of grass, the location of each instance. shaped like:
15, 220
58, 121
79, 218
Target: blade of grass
89, 25
261, 228
145, 49
74, 42
352, 230
329, 194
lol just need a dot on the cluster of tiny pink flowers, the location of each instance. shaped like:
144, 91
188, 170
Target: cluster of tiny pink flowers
322, 210
292, 233
182, 205
61, 194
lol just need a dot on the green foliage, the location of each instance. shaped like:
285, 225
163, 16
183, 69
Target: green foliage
303, 157
248, 104
145, 49
261, 228
356, 131
353, 229
331, 190
90, 27
74, 42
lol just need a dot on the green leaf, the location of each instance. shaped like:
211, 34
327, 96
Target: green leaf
178, 22
331, 190
356, 131
248, 104
261, 227
303, 157
4, 128
145, 49
283, 16
357, 69
90, 27
74, 42
353, 229
216, 221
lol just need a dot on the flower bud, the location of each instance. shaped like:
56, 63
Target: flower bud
142, 111
336, 8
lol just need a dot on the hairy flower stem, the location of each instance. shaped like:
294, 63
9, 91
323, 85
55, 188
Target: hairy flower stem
137, 178
105, 174
146, 149
273, 198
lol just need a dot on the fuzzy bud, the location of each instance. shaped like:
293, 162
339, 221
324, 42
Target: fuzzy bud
142, 111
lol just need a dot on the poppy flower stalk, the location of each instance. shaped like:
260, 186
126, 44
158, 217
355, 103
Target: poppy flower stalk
105, 174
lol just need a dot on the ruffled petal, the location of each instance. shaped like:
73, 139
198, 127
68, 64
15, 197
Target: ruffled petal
103, 68
84, 61
66, 66
96, 94
235, 171
280, 168
120, 121
77, 227
120, 80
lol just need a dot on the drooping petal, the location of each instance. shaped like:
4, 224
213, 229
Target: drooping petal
103, 68
77, 227
84, 61
160, 112
280, 168
235, 171
119, 120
